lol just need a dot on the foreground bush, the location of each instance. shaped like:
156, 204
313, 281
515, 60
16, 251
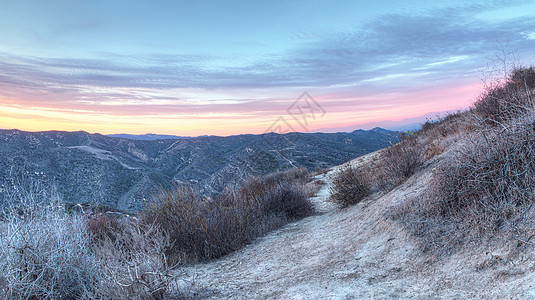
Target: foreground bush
46, 253
134, 264
201, 228
350, 186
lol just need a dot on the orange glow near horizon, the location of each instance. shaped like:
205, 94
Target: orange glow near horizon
340, 111
182, 68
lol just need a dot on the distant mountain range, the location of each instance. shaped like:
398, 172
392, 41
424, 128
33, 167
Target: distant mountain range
120, 172
410, 124
148, 136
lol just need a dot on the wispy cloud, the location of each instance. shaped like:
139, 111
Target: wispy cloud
398, 52
417, 40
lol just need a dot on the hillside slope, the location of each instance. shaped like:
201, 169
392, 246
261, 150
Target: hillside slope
359, 253
120, 173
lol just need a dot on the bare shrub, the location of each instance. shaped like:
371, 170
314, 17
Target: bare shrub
201, 228
350, 186
451, 123
135, 265
507, 100
45, 254
400, 161
262, 183
287, 199
282, 192
524, 78
187, 217
102, 226
485, 189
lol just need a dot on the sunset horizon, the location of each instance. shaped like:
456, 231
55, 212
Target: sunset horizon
215, 68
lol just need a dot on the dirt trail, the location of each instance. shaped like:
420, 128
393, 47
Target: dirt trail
357, 253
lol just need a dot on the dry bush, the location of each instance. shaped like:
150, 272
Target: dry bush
135, 265
184, 214
437, 136
350, 186
262, 183
288, 199
399, 162
524, 78
102, 226
45, 253
507, 100
196, 225
201, 228
451, 124
282, 192
485, 189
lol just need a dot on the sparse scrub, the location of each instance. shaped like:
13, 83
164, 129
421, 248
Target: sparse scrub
446, 126
505, 101
487, 186
403, 159
295, 175
47, 253
400, 161
287, 199
395, 165
101, 226
281, 192
201, 228
134, 264
350, 187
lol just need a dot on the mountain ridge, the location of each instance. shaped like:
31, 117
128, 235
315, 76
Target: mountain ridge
122, 173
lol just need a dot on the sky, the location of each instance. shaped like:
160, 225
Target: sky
232, 67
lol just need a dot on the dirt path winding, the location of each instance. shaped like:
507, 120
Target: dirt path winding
354, 253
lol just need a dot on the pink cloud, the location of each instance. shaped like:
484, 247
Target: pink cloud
350, 106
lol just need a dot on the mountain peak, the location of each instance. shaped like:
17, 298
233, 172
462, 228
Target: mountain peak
379, 129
